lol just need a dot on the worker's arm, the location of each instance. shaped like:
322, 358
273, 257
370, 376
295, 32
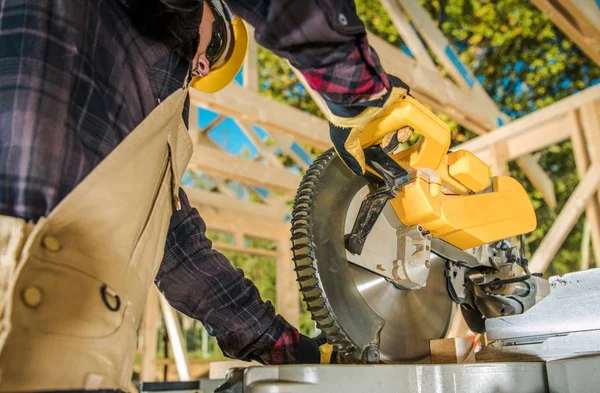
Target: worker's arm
324, 39
327, 42
201, 283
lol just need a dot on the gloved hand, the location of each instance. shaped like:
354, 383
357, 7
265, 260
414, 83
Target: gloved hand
346, 122
316, 351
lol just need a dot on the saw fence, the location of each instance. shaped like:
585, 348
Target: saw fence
465, 101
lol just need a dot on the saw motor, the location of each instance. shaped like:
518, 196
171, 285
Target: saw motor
384, 260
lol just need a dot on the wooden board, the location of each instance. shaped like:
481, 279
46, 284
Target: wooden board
217, 162
565, 221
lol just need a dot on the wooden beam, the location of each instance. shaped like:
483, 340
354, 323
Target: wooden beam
590, 123
287, 290
220, 163
212, 124
220, 246
266, 152
226, 221
408, 34
499, 159
246, 105
582, 162
579, 20
540, 179
585, 246
565, 221
237, 206
250, 72
176, 339
536, 130
150, 336
436, 41
452, 350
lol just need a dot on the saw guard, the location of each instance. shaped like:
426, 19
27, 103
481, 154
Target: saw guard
467, 221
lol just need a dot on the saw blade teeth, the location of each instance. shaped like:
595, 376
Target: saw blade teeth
306, 265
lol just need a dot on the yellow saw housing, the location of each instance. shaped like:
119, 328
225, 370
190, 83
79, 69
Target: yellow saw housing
452, 195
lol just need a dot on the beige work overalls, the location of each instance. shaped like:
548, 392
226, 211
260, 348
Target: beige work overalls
73, 286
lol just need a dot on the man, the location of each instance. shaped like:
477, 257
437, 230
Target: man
93, 97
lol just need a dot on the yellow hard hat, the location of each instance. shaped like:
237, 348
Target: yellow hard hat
229, 55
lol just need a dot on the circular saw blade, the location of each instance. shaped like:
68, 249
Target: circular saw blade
412, 317
354, 307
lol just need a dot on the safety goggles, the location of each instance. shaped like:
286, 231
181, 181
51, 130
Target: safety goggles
220, 35
218, 40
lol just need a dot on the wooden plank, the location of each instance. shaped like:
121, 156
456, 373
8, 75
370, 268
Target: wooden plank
452, 351
537, 138
248, 250
565, 221
176, 339
587, 14
540, 119
286, 291
588, 44
150, 336
265, 152
226, 221
250, 106
540, 179
590, 123
220, 163
499, 159
250, 72
235, 205
436, 41
408, 34
582, 162
584, 263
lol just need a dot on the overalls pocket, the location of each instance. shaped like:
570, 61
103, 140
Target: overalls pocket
57, 299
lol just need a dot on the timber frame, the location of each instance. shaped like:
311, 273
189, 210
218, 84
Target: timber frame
465, 101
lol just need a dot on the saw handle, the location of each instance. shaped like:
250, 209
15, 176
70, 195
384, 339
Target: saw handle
430, 151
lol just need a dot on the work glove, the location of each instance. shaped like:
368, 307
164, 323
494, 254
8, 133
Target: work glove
346, 122
316, 351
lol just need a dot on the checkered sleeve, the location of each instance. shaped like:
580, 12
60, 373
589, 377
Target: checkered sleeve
324, 39
201, 283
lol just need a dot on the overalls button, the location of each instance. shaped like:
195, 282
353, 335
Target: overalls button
51, 243
32, 296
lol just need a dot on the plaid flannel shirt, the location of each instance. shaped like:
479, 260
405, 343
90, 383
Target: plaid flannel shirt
76, 77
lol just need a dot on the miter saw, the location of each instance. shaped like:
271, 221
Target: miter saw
382, 259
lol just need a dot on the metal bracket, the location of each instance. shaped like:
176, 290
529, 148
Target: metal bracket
394, 176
